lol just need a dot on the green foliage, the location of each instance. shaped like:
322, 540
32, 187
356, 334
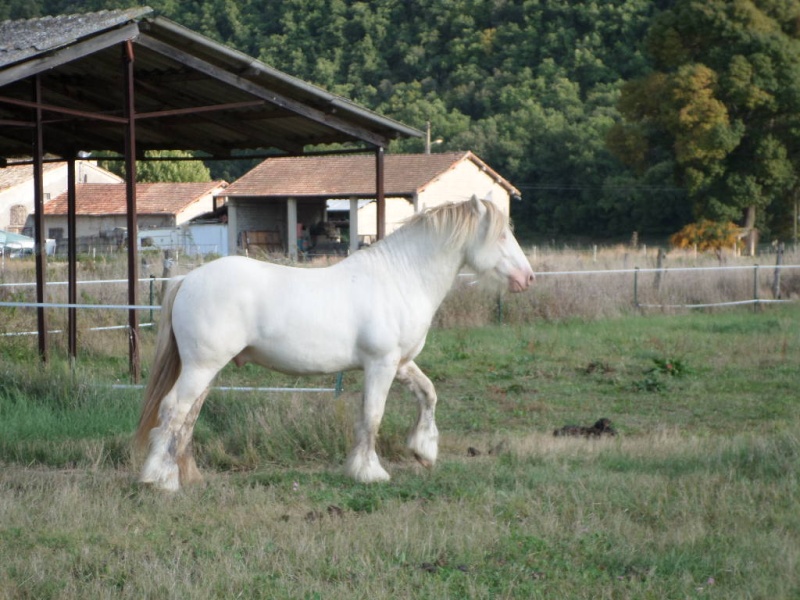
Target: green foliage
151, 171
722, 103
656, 378
530, 87
672, 367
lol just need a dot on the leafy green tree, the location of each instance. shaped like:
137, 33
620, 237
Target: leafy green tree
722, 105
150, 171
20, 9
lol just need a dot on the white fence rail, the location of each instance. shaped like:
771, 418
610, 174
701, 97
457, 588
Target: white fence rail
635, 272
83, 306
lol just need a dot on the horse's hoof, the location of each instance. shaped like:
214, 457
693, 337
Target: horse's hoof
166, 479
423, 461
159, 486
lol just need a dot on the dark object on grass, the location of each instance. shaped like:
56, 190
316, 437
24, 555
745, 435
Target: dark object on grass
601, 427
473, 451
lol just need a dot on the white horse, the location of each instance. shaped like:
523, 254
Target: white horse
371, 311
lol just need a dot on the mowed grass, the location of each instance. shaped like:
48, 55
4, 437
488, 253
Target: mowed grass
697, 497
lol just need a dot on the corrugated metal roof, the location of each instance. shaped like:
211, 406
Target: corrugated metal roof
350, 175
191, 93
98, 199
20, 40
7, 237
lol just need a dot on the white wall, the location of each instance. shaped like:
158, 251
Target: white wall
456, 185
201, 206
95, 226
460, 184
192, 240
54, 184
92, 226
397, 210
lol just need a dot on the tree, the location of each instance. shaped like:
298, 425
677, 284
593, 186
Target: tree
530, 86
150, 171
723, 105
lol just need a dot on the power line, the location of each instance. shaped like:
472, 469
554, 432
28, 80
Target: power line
581, 187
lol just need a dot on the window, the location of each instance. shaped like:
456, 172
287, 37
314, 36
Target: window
18, 216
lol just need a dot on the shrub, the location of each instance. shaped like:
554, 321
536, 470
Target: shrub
706, 235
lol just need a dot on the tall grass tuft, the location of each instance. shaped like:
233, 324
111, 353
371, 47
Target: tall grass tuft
244, 431
57, 416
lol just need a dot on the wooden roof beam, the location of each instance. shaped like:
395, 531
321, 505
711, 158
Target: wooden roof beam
258, 91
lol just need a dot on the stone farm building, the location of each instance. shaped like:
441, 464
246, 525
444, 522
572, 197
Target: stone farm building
101, 210
16, 189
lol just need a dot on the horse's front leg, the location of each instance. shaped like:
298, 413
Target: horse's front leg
362, 463
423, 440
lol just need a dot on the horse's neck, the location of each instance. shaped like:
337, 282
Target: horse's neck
420, 262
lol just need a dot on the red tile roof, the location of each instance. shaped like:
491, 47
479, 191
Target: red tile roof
349, 175
95, 199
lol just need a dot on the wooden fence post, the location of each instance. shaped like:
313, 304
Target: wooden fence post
755, 288
499, 308
167, 273
660, 266
152, 295
776, 281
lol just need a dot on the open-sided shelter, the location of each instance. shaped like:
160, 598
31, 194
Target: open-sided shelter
285, 198
128, 81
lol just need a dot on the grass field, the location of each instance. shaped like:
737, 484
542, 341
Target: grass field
697, 497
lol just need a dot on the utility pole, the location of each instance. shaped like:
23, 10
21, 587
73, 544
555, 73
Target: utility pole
428, 142
428, 151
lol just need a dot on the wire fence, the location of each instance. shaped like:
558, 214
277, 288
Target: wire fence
336, 390
636, 273
152, 306
755, 300
564, 289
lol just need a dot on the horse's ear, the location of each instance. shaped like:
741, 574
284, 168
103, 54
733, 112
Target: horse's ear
477, 206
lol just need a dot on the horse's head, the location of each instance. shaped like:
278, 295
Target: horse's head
494, 250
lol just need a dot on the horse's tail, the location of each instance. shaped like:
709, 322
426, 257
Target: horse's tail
165, 371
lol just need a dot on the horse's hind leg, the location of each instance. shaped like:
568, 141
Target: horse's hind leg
170, 461
423, 440
187, 467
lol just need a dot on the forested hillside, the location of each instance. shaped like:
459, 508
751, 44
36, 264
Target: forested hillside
533, 87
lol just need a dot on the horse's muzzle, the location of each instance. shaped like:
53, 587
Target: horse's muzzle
521, 280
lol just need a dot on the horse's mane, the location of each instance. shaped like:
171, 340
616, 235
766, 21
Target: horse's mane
459, 221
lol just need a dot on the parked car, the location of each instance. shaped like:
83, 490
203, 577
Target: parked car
15, 245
